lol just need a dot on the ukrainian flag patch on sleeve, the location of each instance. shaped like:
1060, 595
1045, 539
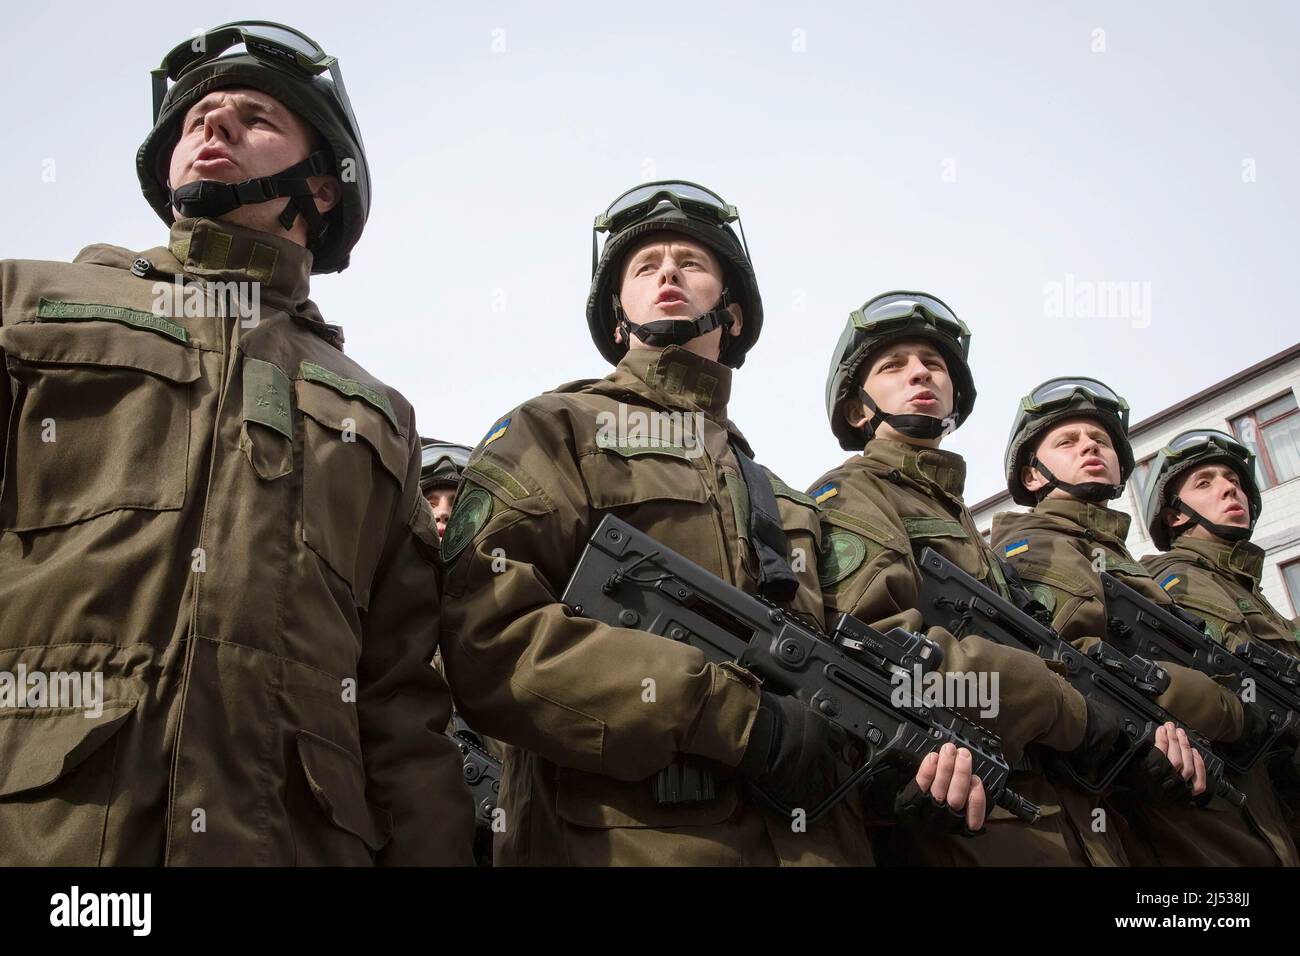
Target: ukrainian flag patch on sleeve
496, 431
1015, 548
1169, 582
825, 492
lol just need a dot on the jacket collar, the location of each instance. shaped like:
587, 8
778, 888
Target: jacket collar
930, 467
675, 379
222, 252
1089, 516
1236, 557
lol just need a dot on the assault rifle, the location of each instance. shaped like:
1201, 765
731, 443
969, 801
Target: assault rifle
625, 578
952, 599
1263, 677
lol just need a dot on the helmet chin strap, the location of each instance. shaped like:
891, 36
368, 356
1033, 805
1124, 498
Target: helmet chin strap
210, 199
1228, 532
1093, 491
664, 332
913, 426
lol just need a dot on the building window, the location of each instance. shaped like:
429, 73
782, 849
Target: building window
1291, 577
1272, 432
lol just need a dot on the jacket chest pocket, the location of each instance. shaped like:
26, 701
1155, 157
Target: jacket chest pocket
354, 466
1215, 615
100, 422
657, 488
949, 537
1270, 627
1062, 593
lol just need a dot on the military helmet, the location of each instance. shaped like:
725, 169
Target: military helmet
289, 66
1188, 450
441, 463
1055, 401
681, 207
888, 318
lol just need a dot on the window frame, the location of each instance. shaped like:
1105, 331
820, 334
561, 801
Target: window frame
1261, 446
1293, 597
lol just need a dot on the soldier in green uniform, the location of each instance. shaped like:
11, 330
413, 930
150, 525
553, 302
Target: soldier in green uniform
1200, 505
899, 382
213, 511
1068, 455
441, 465
591, 713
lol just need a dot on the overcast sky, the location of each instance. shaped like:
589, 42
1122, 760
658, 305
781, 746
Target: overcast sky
1007, 157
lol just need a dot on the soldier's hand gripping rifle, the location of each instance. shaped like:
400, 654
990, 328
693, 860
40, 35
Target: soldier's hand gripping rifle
626, 579
1127, 686
1265, 679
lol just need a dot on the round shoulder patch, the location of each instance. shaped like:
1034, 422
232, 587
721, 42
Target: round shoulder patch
1214, 629
842, 553
1044, 596
473, 508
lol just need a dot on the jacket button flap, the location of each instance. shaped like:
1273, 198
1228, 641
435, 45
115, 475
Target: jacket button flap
337, 781
36, 751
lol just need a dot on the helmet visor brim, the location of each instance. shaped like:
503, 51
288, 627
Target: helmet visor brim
1205, 439
272, 43
638, 201
886, 318
1060, 392
435, 456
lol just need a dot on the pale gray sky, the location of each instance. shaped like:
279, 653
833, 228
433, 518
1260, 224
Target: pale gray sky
981, 152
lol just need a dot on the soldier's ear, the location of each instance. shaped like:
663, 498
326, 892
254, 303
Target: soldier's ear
325, 192
854, 412
1174, 518
1030, 478
737, 318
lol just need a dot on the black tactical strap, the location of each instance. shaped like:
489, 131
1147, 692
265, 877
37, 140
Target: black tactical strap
684, 781
776, 580
1092, 491
662, 333
1228, 532
211, 199
913, 426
